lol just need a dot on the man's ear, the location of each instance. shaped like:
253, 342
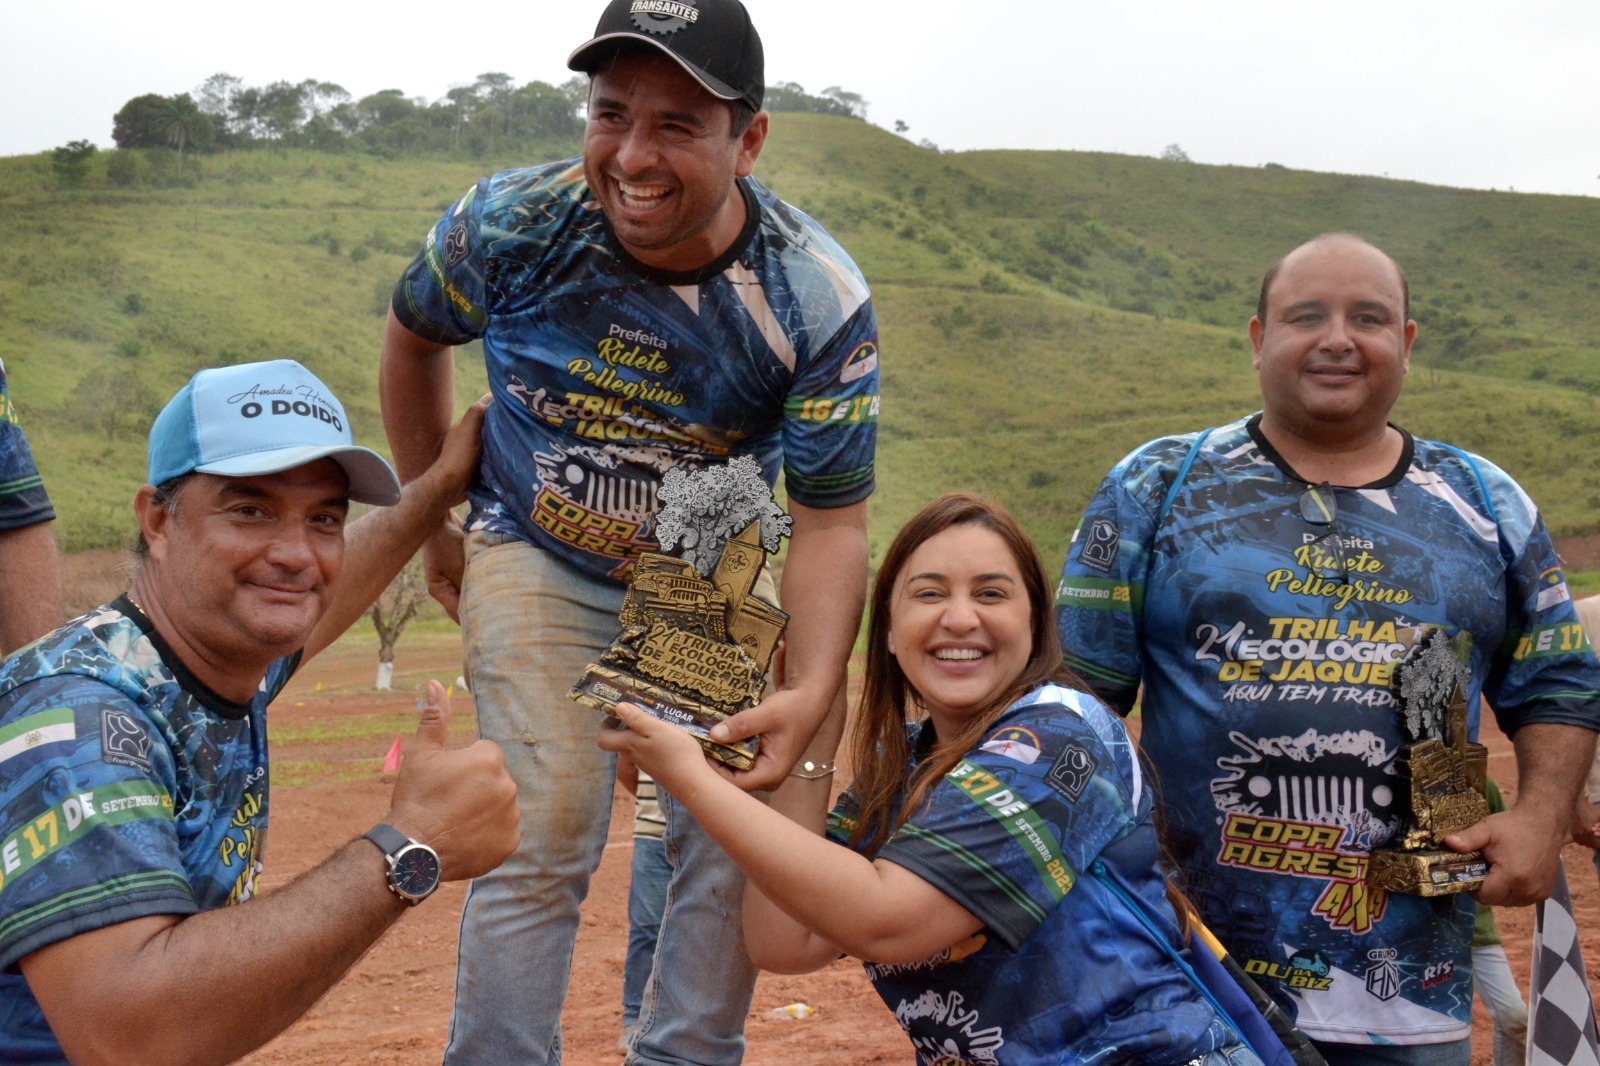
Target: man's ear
751, 142
1257, 332
155, 521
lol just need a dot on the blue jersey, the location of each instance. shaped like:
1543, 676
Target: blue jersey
22, 497
1029, 832
127, 789
1265, 643
608, 373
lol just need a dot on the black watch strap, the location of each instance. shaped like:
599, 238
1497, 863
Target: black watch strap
413, 873
389, 839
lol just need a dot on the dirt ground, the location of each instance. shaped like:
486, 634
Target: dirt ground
394, 1007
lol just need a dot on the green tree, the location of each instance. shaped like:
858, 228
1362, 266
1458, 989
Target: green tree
281, 111
320, 97
325, 133
71, 161
384, 108
215, 98
141, 123
390, 613
116, 399
185, 124
247, 120
853, 103
485, 130
390, 124
343, 119
545, 111
792, 96
459, 102
576, 90
494, 88
122, 168
495, 104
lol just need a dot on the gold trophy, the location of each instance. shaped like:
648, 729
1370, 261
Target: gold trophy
695, 643
1441, 774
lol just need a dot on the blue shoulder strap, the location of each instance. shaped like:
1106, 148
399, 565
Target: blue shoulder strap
1183, 472
1220, 988
1483, 487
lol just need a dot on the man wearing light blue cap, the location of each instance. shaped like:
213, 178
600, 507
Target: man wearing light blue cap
133, 757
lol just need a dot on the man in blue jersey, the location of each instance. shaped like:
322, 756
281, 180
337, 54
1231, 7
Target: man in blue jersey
1254, 579
133, 749
30, 580
644, 308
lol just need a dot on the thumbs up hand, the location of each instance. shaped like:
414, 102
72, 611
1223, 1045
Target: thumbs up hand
460, 802
434, 726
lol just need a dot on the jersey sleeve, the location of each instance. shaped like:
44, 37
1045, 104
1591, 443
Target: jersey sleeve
87, 832
830, 426
23, 501
1008, 831
1545, 671
1102, 591
441, 295
842, 819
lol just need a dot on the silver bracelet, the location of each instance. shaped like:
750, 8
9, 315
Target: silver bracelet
812, 771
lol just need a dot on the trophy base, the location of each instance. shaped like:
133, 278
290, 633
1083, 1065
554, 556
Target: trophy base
603, 688
1426, 873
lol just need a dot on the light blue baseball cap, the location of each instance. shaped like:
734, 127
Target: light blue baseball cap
262, 418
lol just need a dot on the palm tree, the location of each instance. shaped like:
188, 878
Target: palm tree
184, 124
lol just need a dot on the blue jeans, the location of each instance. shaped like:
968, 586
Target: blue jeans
1454, 1053
530, 624
647, 898
1232, 1055
1492, 980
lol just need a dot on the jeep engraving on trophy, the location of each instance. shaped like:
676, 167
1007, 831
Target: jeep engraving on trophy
1442, 776
695, 643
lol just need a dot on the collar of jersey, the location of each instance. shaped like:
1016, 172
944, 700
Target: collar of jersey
1389, 480
209, 698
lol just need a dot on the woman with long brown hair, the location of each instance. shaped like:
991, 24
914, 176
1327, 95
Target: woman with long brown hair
994, 862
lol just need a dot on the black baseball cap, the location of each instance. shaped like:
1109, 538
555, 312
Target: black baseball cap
713, 40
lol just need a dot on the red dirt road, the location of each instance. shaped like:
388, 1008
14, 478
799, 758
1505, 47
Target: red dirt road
394, 1007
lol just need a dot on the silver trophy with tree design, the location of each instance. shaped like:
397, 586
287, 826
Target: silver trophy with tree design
695, 643
1442, 774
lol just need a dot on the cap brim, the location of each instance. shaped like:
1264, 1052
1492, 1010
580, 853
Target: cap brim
587, 56
371, 479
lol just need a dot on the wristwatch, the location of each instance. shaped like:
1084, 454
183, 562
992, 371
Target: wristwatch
413, 867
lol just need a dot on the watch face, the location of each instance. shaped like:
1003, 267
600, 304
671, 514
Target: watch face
415, 873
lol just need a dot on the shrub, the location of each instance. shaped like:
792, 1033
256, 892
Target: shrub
71, 161
123, 168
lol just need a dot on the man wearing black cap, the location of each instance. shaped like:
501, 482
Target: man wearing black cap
647, 307
133, 749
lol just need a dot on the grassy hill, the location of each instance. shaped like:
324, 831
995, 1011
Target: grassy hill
1041, 312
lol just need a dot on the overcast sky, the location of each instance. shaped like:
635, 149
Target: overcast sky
1472, 93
